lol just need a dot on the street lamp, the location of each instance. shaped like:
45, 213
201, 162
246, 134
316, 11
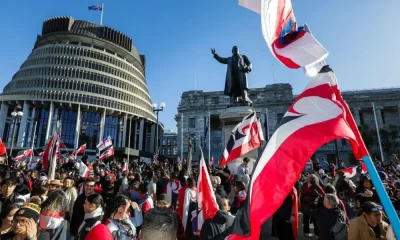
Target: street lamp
157, 110
16, 118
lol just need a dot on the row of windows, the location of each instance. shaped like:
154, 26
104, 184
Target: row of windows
85, 52
62, 60
48, 83
77, 73
79, 98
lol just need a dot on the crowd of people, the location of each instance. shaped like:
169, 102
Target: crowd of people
153, 202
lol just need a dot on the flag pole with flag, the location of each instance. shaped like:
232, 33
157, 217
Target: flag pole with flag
206, 202
296, 47
99, 7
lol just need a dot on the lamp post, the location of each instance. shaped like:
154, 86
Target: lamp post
157, 110
16, 118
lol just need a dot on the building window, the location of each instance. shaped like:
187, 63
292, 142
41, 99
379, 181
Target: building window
90, 128
215, 100
68, 127
192, 122
112, 129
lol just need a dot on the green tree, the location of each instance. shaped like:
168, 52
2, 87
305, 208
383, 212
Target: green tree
368, 135
389, 139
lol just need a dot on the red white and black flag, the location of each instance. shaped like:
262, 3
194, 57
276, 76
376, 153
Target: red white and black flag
245, 137
81, 150
318, 116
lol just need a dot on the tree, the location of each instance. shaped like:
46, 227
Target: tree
389, 139
368, 135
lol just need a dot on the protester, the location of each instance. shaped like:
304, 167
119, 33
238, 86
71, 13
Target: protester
159, 224
368, 225
93, 209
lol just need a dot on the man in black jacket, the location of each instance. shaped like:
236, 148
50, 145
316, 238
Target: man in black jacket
220, 226
9, 197
283, 218
78, 213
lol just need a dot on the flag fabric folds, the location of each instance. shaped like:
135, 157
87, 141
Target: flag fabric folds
293, 46
316, 117
81, 150
83, 169
155, 157
107, 153
352, 171
245, 137
96, 7
3, 149
51, 149
104, 144
206, 202
26, 153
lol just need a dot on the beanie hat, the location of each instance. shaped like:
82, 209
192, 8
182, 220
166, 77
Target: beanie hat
99, 232
30, 210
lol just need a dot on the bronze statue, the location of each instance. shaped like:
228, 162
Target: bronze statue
236, 83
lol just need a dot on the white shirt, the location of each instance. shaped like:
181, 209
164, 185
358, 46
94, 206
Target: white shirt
398, 167
151, 188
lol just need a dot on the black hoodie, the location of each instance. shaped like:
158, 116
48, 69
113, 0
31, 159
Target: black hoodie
217, 228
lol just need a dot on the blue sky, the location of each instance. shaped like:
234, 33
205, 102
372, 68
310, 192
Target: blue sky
176, 37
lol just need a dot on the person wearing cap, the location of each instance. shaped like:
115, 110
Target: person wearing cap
24, 223
368, 225
54, 185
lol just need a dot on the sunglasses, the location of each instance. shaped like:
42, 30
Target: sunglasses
377, 209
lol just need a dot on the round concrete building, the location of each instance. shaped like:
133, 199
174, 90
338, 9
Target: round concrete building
87, 79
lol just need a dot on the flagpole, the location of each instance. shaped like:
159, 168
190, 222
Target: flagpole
182, 137
382, 194
102, 11
377, 132
33, 140
209, 136
267, 127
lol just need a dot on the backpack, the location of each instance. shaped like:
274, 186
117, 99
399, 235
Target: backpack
340, 230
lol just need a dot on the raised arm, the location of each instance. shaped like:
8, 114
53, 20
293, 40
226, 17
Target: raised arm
218, 58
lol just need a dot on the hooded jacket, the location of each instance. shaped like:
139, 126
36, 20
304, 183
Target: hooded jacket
217, 228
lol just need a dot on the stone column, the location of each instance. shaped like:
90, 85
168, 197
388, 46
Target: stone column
141, 132
102, 123
55, 121
31, 134
378, 111
125, 131
22, 133
77, 127
134, 132
356, 115
49, 122
152, 138
3, 118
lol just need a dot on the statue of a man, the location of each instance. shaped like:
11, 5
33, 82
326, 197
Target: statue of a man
236, 83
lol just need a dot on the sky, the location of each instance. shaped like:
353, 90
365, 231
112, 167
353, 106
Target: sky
176, 36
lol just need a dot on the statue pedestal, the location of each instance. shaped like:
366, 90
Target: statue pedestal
229, 119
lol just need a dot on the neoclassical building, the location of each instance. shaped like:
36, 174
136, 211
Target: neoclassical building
271, 102
87, 79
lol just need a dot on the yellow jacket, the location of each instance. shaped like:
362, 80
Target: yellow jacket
360, 230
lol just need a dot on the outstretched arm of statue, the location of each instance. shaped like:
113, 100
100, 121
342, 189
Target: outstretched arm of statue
218, 58
248, 63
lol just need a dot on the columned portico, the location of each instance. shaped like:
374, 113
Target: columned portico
356, 114
22, 133
124, 131
141, 132
3, 117
78, 127
102, 123
379, 116
49, 121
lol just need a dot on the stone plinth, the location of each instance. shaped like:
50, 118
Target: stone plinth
229, 119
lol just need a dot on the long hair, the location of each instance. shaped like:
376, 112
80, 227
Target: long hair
112, 206
55, 202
